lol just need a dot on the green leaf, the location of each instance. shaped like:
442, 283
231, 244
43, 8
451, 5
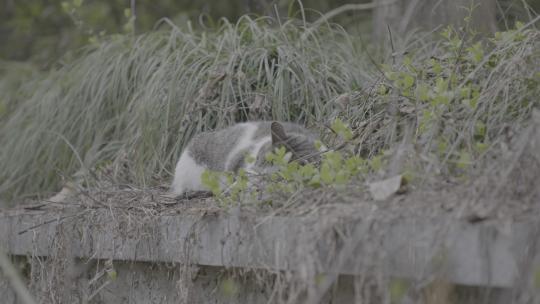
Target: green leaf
465, 92
326, 174
376, 163
319, 279
130, 25
288, 172
308, 171
442, 146
422, 92
441, 99
382, 90
464, 160
481, 147
441, 85
229, 287
229, 178
480, 128
408, 81
280, 152
66, 6
391, 75
249, 159
408, 176
398, 289
354, 164
93, 40
342, 177
474, 100
407, 61
333, 159
277, 157
447, 33
211, 180
436, 66
476, 53
536, 279
112, 274
315, 182
425, 121
341, 129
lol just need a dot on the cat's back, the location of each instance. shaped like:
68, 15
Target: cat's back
216, 148
255, 130
213, 147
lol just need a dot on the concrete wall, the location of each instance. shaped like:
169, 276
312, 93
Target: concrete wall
79, 256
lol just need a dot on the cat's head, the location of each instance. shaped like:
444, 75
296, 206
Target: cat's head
299, 147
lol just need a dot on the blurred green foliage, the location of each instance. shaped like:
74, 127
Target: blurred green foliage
43, 31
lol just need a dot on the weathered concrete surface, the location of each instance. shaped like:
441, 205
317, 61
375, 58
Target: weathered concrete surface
7, 293
143, 283
470, 254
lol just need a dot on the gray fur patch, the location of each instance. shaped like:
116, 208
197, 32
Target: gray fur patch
211, 148
263, 129
302, 148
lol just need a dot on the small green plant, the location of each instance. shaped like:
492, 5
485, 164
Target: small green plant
449, 97
227, 188
536, 278
398, 289
337, 169
342, 129
229, 287
211, 180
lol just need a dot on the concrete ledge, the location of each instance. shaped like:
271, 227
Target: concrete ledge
471, 254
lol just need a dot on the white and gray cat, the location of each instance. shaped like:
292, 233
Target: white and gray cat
227, 149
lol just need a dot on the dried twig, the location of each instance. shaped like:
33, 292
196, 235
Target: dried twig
50, 221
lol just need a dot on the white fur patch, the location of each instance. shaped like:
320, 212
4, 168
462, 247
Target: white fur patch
187, 175
246, 141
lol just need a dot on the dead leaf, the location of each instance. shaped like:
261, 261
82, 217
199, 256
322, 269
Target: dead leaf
343, 101
66, 192
258, 103
382, 190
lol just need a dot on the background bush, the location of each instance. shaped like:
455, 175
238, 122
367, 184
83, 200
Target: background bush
123, 107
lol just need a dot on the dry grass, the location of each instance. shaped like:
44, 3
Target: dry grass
128, 106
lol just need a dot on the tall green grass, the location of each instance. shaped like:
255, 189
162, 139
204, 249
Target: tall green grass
130, 104
138, 100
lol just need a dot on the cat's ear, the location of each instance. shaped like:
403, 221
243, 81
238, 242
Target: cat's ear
278, 134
